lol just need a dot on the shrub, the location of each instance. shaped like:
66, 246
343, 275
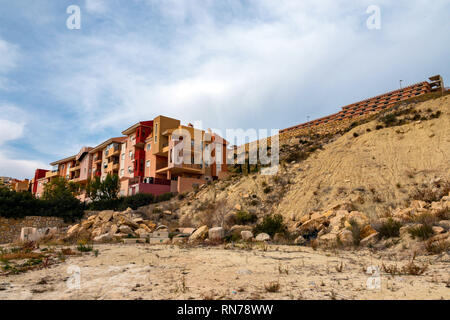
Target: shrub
243, 217
22, 204
423, 231
296, 156
267, 190
355, 228
355, 135
390, 229
389, 120
271, 224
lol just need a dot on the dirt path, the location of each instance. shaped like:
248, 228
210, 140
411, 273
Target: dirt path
170, 272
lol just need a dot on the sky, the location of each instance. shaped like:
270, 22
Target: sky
263, 64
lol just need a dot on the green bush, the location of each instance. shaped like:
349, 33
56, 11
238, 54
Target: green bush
423, 231
271, 224
390, 229
243, 217
22, 204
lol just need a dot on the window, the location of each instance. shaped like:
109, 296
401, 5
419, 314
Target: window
123, 156
122, 172
131, 154
148, 163
156, 132
130, 169
149, 146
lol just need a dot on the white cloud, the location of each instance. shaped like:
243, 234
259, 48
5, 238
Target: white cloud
96, 6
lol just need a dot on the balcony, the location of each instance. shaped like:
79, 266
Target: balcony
112, 152
73, 169
112, 167
51, 174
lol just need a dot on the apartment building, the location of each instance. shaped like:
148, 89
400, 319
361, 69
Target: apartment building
144, 159
147, 160
106, 158
377, 103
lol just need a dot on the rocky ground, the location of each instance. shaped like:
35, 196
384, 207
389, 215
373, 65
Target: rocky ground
143, 271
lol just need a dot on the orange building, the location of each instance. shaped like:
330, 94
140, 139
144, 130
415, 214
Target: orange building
377, 103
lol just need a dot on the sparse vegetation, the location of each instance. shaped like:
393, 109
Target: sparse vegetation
389, 229
422, 231
243, 217
271, 224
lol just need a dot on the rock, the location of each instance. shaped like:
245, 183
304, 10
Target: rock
346, 237
199, 234
142, 233
440, 237
369, 240
144, 226
238, 207
178, 240
359, 217
96, 232
29, 234
262, 237
445, 224
367, 231
328, 239
300, 240
103, 238
114, 229
106, 215
236, 230
161, 227
138, 220
246, 235
73, 230
86, 224
316, 215
356, 198
119, 235
279, 237
127, 222
418, 204
125, 229
188, 231
167, 212
438, 230
304, 218
311, 225
217, 233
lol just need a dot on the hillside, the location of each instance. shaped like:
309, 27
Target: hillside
377, 166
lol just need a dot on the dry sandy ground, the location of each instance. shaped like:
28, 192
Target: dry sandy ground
171, 272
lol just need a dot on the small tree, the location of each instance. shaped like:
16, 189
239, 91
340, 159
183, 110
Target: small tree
107, 189
60, 189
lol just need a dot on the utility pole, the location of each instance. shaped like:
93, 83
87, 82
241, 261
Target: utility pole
401, 84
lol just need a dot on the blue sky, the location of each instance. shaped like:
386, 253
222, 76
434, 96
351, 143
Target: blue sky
230, 64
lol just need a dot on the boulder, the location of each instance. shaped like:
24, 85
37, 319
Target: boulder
125, 229
346, 237
262, 237
199, 234
367, 231
217, 233
304, 218
106, 215
418, 204
103, 238
73, 230
359, 217
237, 229
438, 230
178, 240
445, 224
246, 235
278, 237
86, 224
369, 240
113, 230
328, 239
300, 240
142, 233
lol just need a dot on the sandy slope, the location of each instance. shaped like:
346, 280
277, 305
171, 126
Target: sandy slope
157, 272
379, 160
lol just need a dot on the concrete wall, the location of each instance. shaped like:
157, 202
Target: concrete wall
155, 189
10, 228
186, 184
